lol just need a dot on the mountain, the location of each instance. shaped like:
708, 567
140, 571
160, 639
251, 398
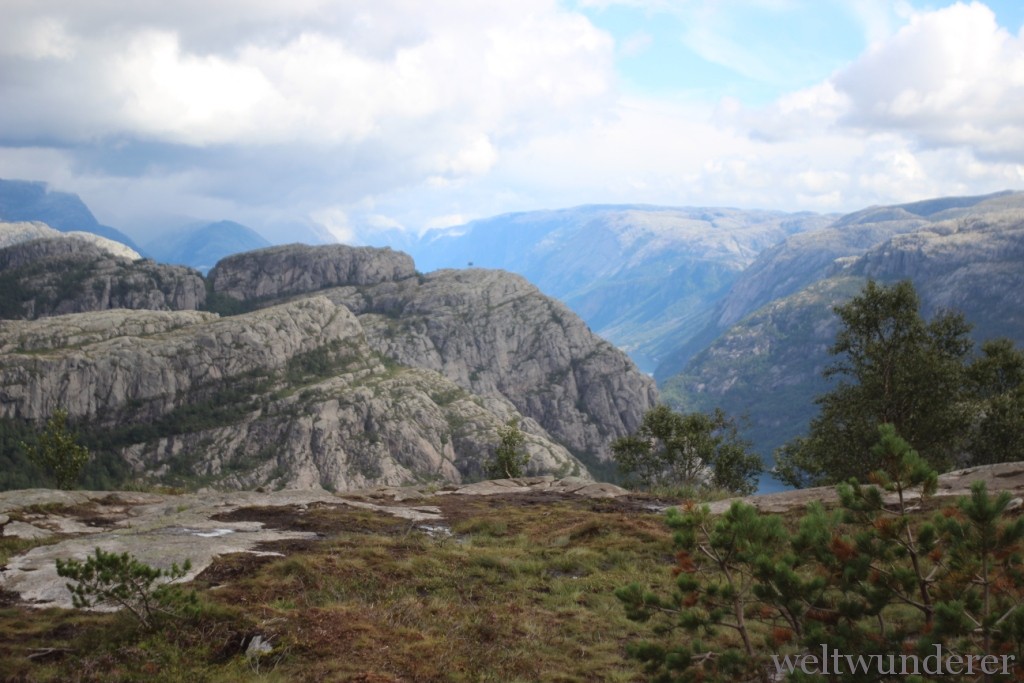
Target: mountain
960, 253
22, 200
44, 272
644, 277
14, 233
807, 257
201, 246
348, 370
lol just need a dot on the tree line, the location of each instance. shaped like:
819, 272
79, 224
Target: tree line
956, 406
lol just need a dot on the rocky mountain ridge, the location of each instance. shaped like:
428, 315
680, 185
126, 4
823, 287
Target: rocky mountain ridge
298, 268
968, 254
378, 381
69, 273
644, 277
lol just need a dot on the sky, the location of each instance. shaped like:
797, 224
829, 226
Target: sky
354, 120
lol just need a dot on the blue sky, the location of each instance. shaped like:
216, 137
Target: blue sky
752, 50
360, 119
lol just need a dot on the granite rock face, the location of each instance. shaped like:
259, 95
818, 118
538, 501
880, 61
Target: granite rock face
72, 274
287, 396
495, 334
298, 269
353, 371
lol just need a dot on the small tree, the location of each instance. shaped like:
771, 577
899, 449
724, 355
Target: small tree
123, 581
510, 458
58, 451
892, 367
876, 577
694, 449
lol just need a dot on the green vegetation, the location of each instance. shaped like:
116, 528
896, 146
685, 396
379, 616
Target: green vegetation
510, 458
122, 581
873, 578
996, 381
41, 286
16, 470
919, 376
57, 451
215, 405
694, 450
519, 594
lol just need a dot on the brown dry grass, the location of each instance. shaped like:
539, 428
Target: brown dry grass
522, 591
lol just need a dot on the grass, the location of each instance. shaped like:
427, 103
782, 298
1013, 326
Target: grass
12, 545
521, 591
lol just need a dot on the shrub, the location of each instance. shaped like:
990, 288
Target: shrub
874, 578
123, 581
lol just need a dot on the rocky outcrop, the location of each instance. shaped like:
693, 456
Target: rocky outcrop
298, 268
494, 334
15, 233
287, 396
94, 380
390, 379
72, 274
160, 529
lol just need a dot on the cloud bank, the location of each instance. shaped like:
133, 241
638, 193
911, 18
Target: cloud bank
357, 117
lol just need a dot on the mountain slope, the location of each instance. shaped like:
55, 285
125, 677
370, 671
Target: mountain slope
22, 200
72, 273
768, 364
201, 246
354, 371
643, 277
490, 332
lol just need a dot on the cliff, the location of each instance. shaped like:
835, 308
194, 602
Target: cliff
352, 371
297, 268
72, 274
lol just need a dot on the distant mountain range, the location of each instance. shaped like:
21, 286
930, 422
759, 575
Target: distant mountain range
646, 278
22, 200
199, 245
725, 307
202, 245
770, 337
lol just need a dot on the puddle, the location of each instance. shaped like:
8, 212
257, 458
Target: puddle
435, 530
215, 533
202, 533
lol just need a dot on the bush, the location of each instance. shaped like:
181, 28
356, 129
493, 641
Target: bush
123, 581
871, 578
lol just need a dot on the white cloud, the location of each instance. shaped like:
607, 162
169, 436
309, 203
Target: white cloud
949, 78
476, 66
636, 43
336, 222
37, 39
369, 116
